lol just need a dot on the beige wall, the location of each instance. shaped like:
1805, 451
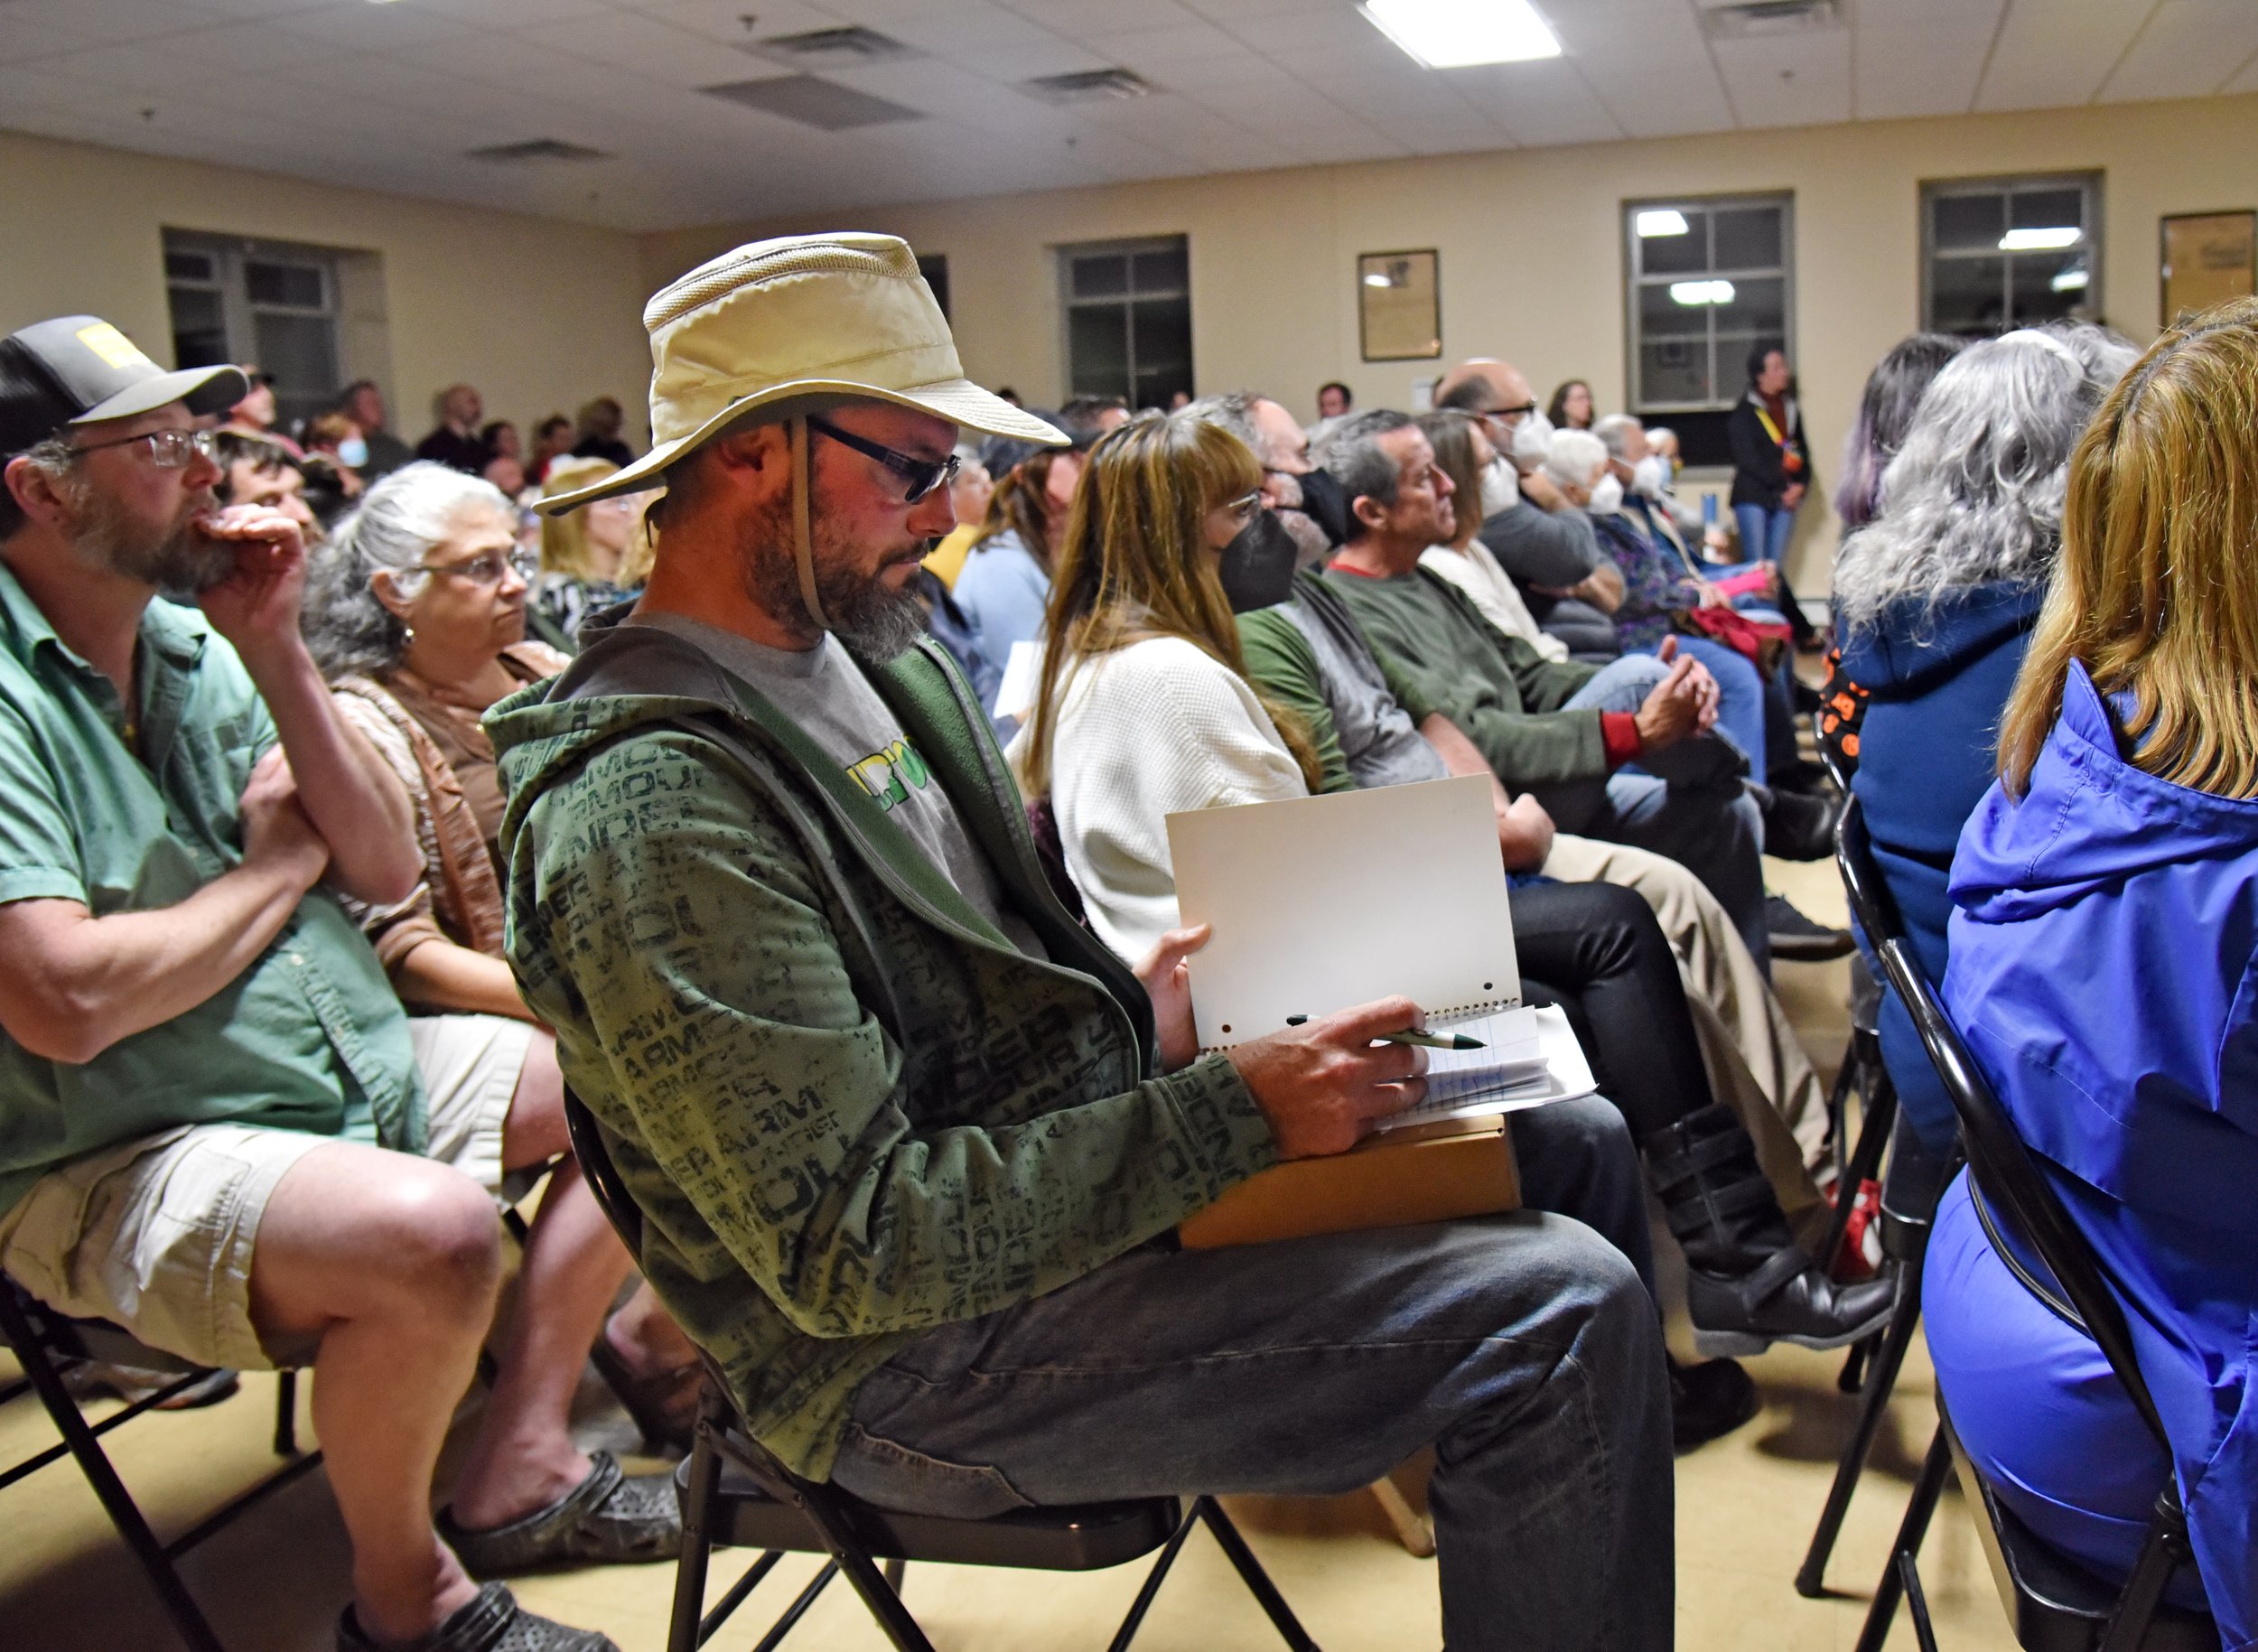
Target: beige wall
1531, 254
540, 315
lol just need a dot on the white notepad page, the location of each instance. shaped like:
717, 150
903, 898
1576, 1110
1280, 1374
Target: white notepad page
1320, 903
1560, 1073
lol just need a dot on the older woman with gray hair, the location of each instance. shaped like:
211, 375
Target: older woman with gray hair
1935, 600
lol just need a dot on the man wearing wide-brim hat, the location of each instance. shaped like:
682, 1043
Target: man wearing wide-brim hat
907, 1141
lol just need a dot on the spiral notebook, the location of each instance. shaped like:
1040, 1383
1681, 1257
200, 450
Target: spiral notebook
1320, 903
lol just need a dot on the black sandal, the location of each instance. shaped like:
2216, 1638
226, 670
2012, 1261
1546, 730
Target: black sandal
493, 1622
609, 1519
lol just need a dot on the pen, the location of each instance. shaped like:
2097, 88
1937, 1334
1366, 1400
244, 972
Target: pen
1425, 1040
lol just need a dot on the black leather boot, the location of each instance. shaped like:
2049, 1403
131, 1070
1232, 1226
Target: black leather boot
1747, 1283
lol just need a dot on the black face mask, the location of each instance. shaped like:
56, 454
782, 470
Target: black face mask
1257, 566
1325, 503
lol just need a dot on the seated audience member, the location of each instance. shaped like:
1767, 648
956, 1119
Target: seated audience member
361, 402
243, 1150
591, 557
1542, 541
335, 450
1304, 499
2107, 892
552, 439
1571, 406
500, 439
903, 1038
1309, 656
254, 470
1564, 732
1005, 580
1334, 400
1087, 417
507, 475
1935, 599
969, 491
253, 415
1146, 710
602, 421
1464, 454
1659, 591
454, 441
1658, 481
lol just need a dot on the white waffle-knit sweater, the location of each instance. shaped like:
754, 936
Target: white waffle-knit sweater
1476, 572
1143, 733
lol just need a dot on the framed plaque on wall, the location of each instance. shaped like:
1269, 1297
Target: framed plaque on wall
1399, 305
2208, 258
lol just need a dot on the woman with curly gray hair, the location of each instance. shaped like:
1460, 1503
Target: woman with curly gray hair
1935, 600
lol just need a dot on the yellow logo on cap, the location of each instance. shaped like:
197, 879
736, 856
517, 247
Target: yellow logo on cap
114, 347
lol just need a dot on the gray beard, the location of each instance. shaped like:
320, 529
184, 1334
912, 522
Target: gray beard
875, 623
179, 562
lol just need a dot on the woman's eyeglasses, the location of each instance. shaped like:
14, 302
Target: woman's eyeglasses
488, 568
923, 475
1245, 508
169, 450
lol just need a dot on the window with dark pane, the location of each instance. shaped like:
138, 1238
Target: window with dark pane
270, 305
1128, 319
1707, 278
2002, 253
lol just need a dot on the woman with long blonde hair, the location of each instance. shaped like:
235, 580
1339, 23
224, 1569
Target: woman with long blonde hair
2104, 973
1146, 708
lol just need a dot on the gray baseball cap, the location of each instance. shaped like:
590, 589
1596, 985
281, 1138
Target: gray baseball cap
79, 369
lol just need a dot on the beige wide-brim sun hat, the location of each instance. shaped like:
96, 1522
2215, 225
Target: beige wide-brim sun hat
836, 314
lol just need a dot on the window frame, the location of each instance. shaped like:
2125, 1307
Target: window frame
1636, 279
2087, 183
1126, 300
239, 313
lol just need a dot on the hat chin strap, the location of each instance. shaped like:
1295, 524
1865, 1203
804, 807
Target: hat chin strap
803, 541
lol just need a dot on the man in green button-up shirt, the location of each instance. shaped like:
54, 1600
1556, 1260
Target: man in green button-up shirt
218, 1126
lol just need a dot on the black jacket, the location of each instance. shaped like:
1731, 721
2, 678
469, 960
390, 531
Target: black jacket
1760, 474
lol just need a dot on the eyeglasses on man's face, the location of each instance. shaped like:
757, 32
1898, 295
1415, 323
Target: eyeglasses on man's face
922, 475
169, 450
488, 567
1508, 416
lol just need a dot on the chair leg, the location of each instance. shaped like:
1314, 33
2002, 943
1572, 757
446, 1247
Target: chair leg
2165, 1546
894, 1570
1916, 1603
1918, 1513
1153, 1579
94, 1464
1881, 1379
286, 1414
1879, 1114
797, 1609
1411, 1528
1252, 1574
683, 1633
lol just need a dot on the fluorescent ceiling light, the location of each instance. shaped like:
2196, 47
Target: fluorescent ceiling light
2041, 240
2073, 280
1661, 221
1701, 292
1459, 34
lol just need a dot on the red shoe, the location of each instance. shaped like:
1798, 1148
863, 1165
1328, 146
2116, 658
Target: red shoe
1860, 1255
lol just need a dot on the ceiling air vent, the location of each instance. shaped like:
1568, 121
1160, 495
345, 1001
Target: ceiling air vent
1088, 86
1746, 18
813, 102
535, 150
852, 47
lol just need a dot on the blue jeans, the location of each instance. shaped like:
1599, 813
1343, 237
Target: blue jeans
1763, 532
1689, 803
1524, 1348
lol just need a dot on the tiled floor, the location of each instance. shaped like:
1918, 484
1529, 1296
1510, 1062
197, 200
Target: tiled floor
273, 1582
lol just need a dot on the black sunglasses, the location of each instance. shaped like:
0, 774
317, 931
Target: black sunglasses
923, 475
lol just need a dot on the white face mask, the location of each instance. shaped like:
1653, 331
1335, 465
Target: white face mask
1501, 487
1532, 439
1651, 475
352, 451
1607, 495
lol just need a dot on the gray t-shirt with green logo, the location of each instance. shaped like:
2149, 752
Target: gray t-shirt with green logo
825, 692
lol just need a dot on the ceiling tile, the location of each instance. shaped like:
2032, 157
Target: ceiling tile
256, 47
112, 19
2246, 80
642, 46
510, 14
25, 37
1548, 101
1788, 80
372, 28
2054, 54
1908, 71
2185, 49
724, 20
1689, 99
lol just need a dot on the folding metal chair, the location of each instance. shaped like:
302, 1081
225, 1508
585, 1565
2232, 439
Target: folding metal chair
2054, 1604
735, 1493
46, 1344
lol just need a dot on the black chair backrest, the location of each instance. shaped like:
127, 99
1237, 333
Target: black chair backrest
603, 1176
1871, 903
2009, 1179
1828, 759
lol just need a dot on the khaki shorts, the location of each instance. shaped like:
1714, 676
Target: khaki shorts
156, 1234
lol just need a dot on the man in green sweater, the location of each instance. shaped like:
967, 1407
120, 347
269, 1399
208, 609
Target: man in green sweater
909, 1144
1565, 732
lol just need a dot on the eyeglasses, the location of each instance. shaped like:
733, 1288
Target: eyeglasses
169, 450
923, 475
488, 568
1243, 509
1501, 414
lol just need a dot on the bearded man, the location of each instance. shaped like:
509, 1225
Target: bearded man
908, 1141
217, 1127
